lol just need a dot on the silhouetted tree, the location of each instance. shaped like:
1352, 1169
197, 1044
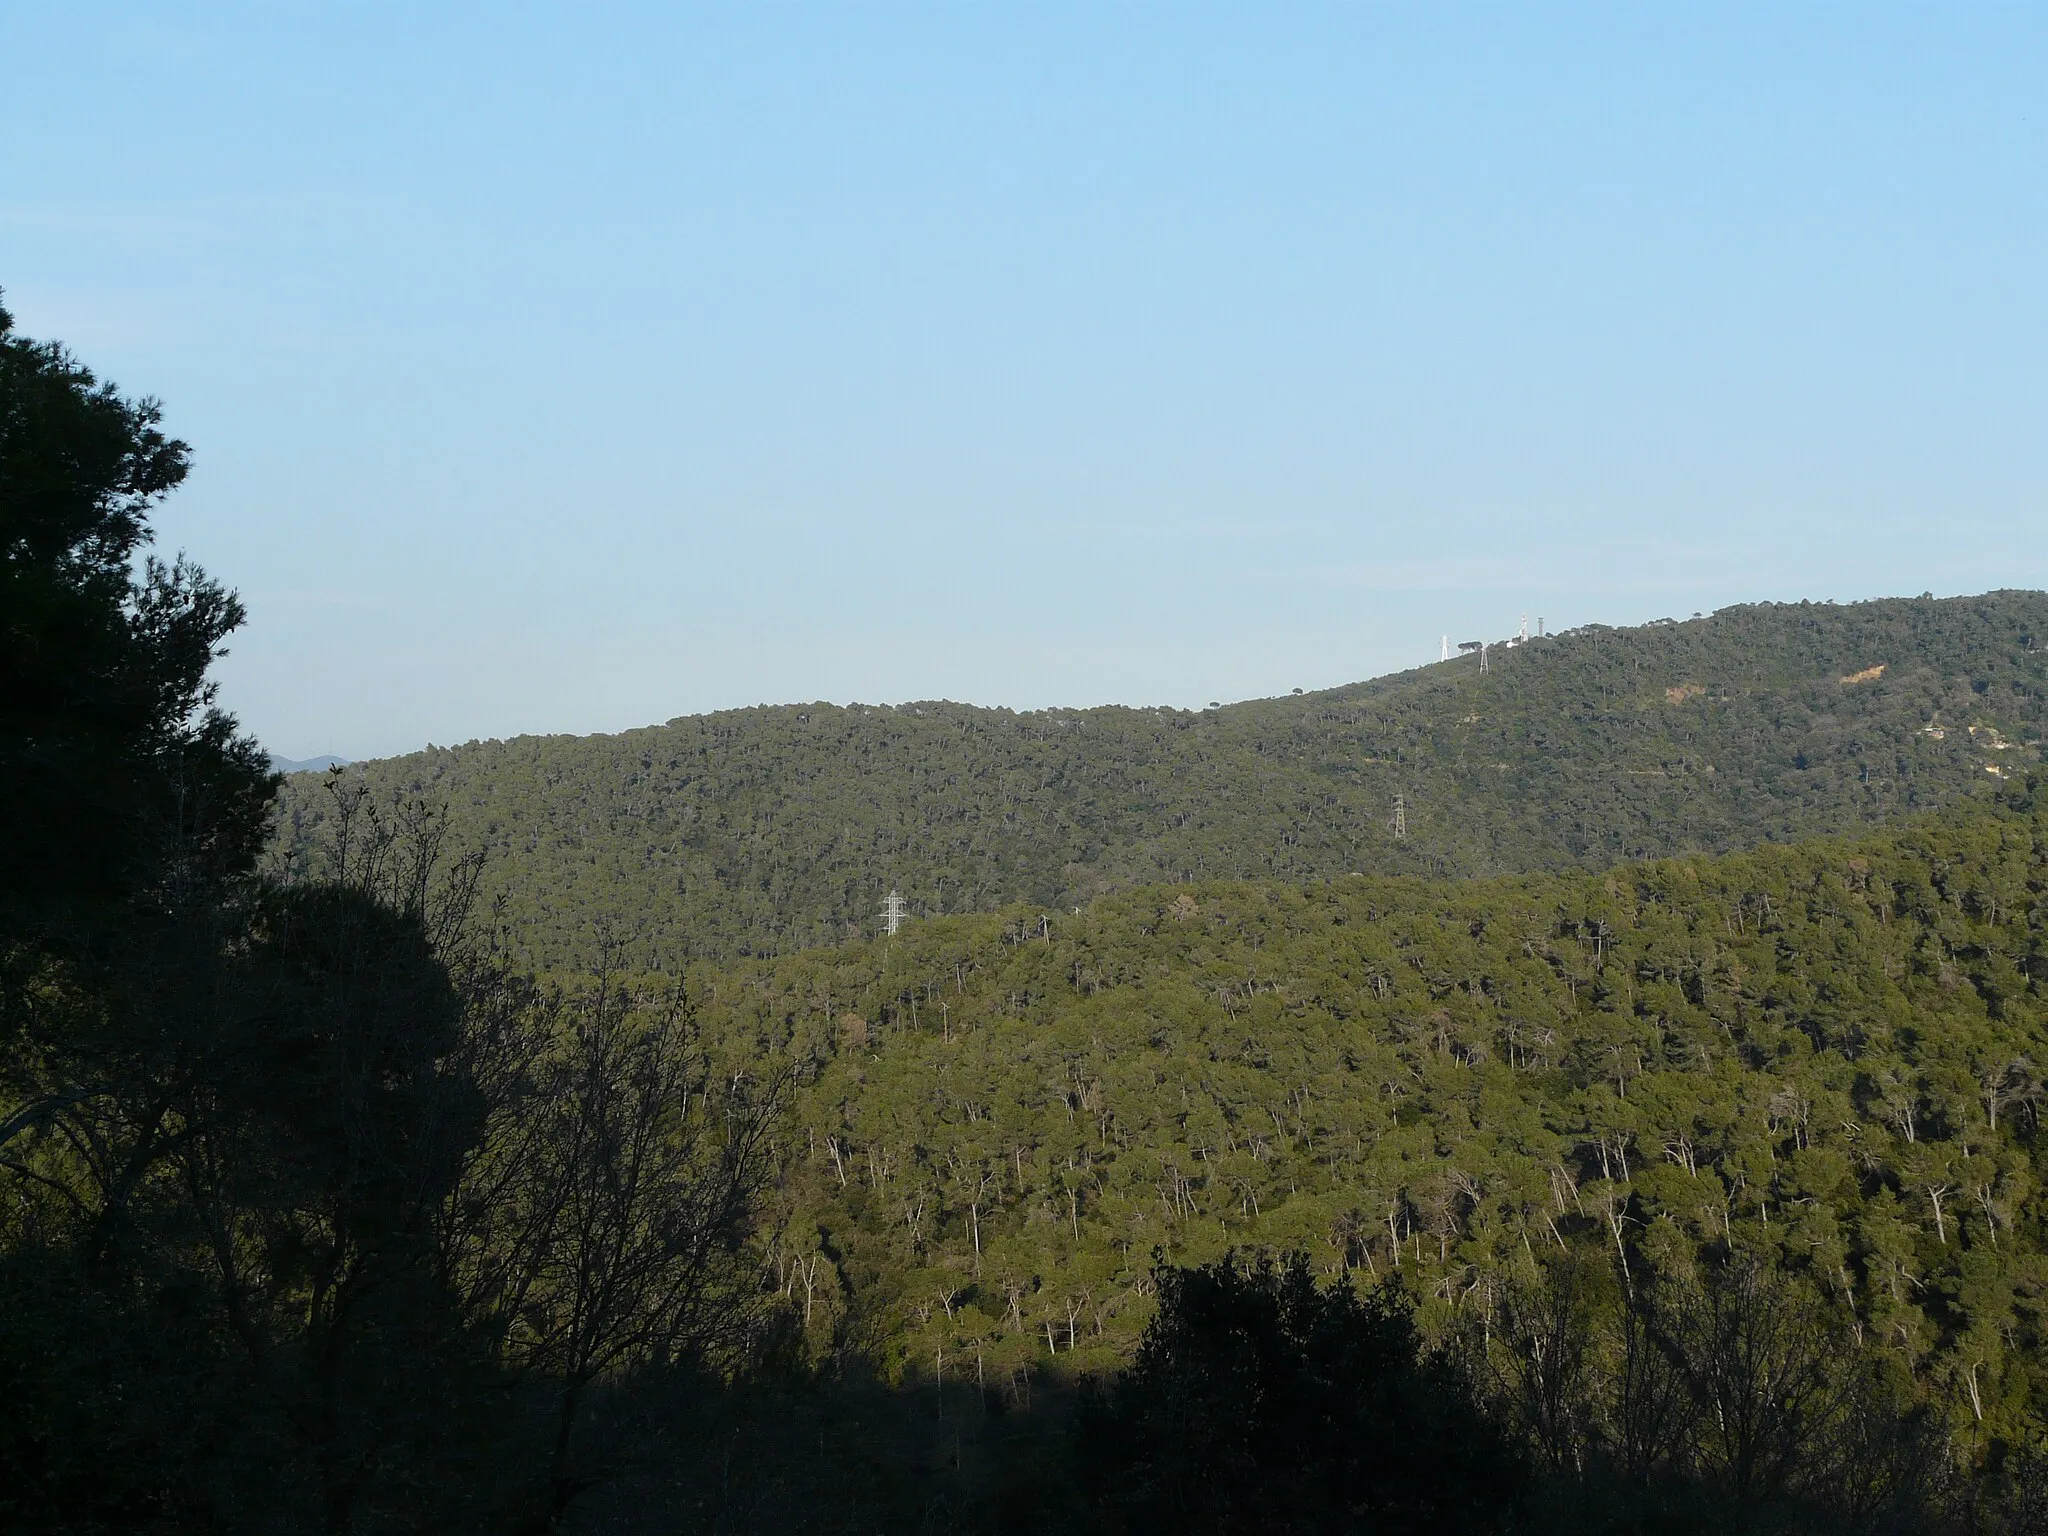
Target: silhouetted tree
1258, 1401
120, 782
598, 1233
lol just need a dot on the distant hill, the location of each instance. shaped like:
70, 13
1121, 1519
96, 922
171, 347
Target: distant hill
766, 830
306, 764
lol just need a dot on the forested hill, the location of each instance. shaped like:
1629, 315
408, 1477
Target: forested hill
1825, 1057
770, 829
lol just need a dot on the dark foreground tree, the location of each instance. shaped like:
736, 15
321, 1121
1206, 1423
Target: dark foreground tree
314, 1215
130, 811
223, 1258
1259, 1402
598, 1235
119, 780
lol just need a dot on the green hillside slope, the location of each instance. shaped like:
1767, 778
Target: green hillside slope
1828, 1056
766, 830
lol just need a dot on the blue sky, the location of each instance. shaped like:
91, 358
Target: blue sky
567, 368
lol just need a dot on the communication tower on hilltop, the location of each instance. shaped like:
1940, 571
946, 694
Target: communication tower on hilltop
893, 912
1447, 649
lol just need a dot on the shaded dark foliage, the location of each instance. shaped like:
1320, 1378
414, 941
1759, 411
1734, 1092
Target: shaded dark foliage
1259, 1401
249, 1130
1727, 1398
222, 1301
120, 781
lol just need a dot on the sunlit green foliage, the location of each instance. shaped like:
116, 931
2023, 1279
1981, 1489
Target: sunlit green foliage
1827, 1056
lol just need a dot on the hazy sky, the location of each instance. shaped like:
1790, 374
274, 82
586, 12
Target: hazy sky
571, 367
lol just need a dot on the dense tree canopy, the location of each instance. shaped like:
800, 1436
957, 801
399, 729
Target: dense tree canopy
1823, 1057
764, 830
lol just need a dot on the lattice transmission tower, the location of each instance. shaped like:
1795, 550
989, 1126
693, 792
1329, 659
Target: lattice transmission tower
893, 912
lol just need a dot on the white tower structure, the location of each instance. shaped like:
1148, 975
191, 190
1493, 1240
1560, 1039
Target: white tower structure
893, 912
1447, 649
